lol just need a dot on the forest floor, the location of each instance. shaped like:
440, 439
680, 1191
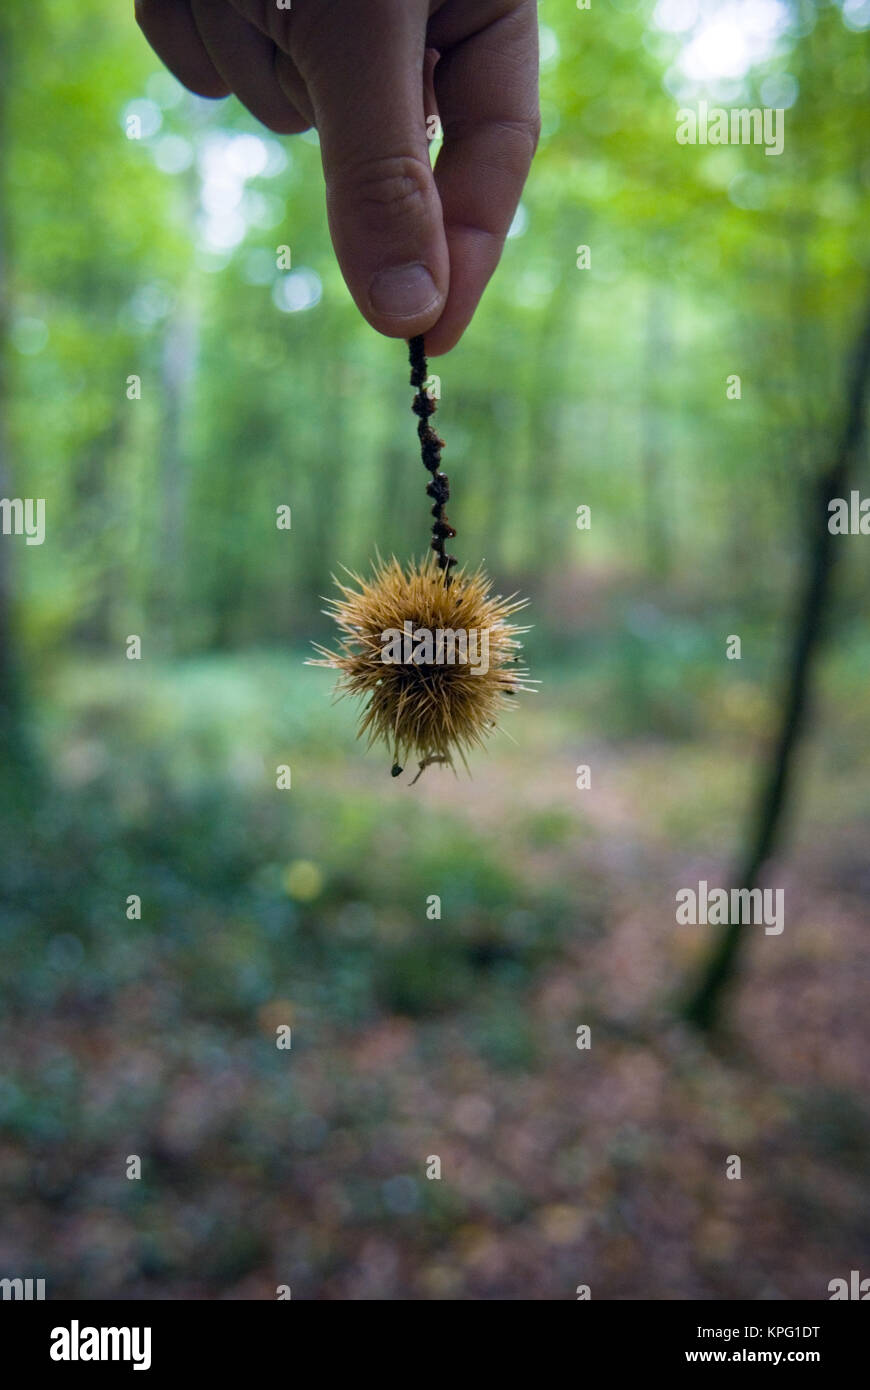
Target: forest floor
416, 1039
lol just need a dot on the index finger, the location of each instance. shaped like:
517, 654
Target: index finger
487, 88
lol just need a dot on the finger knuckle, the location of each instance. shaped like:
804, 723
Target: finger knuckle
394, 184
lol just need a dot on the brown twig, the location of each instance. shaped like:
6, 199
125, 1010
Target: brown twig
430, 447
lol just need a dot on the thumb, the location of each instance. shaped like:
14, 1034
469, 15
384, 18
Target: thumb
366, 89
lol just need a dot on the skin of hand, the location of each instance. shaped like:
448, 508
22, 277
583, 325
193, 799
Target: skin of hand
416, 246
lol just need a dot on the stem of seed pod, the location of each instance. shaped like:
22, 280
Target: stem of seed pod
431, 445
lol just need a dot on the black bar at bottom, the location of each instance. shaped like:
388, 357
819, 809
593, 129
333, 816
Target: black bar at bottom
230, 1339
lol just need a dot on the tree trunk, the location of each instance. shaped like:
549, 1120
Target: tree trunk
705, 1000
178, 371
658, 348
11, 741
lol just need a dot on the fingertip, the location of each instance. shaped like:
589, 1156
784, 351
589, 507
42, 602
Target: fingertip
474, 255
447, 330
288, 122
404, 300
388, 234
442, 338
169, 28
209, 90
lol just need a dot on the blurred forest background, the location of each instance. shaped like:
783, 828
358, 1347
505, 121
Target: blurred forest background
156, 257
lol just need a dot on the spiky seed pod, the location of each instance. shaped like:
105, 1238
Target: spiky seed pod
429, 707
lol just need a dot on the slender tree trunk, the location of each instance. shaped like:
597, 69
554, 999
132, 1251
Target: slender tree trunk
11, 747
178, 371
657, 350
178, 368
718, 972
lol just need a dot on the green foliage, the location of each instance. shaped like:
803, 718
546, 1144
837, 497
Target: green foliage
605, 385
262, 387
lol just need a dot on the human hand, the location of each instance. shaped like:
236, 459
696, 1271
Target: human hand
416, 246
